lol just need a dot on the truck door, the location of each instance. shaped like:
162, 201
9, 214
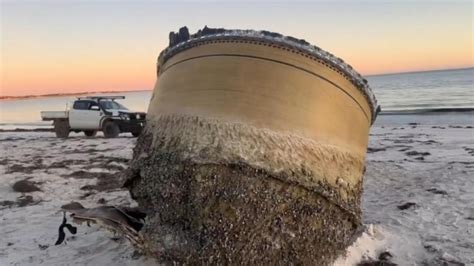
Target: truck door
85, 114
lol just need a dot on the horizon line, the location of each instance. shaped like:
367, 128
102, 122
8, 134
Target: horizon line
58, 94
420, 71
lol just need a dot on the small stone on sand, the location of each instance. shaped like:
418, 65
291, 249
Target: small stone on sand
406, 206
416, 153
25, 186
72, 206
437, 191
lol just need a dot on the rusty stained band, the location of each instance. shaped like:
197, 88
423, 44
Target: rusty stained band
274, 61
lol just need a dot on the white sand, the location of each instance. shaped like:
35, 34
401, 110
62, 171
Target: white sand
438, 228
29, 233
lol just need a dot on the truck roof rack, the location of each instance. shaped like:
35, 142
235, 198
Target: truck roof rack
100, 97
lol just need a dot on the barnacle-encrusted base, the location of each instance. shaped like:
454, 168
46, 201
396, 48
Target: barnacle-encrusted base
219, 192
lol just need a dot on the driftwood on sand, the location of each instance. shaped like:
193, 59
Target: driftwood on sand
122, 221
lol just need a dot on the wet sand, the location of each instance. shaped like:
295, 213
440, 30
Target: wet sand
425, 169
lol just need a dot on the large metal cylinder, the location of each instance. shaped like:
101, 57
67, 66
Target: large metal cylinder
253, 151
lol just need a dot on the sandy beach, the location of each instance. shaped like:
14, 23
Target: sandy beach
418, 191
77, 169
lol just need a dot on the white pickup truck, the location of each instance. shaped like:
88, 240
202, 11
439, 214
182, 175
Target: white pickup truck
97, 113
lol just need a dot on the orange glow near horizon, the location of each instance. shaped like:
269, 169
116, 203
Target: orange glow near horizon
66, 48
76, 76
42, 71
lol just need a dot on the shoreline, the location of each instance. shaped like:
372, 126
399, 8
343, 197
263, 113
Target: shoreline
430, 111
415, 114
28, 130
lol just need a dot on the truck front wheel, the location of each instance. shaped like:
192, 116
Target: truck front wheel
110, 129
61, 128
90, 133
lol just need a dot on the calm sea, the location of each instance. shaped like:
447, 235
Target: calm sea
424, 94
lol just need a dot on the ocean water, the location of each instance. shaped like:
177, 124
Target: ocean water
429, 94
417, 91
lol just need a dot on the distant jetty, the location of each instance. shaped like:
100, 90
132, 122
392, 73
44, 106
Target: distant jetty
253, 152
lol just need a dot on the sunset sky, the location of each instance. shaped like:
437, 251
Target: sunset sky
73, 46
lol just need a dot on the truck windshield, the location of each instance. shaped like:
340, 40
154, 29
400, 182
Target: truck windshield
112, 105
